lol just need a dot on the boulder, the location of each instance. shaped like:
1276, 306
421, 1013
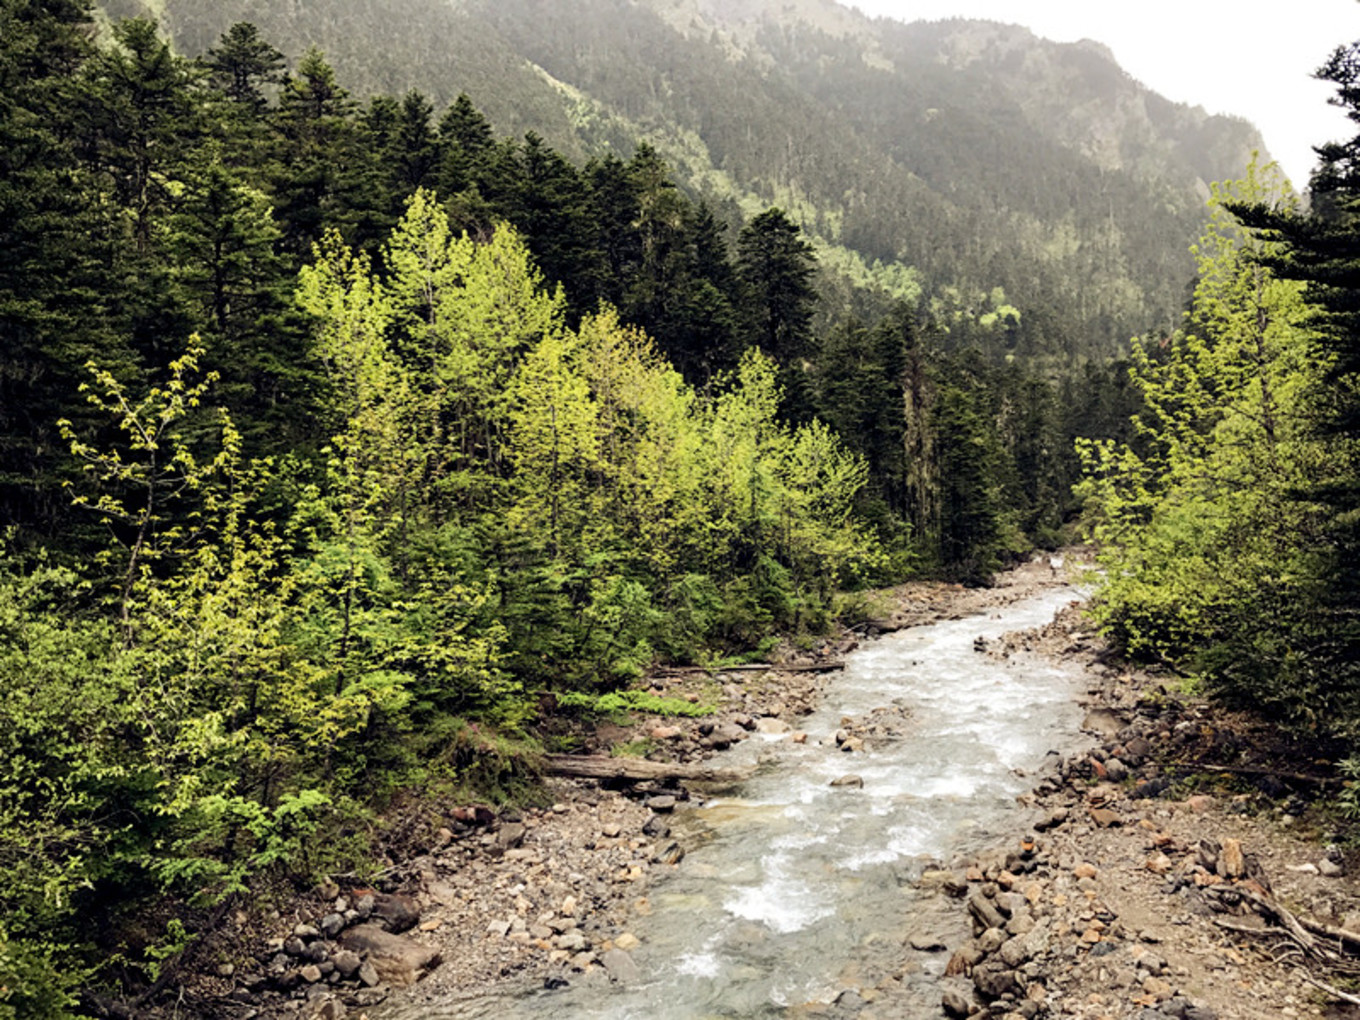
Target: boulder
926, 942
984, 912
395, 960
1104, 817
621, 967
346, 962
955, 1005
510, 835
1103, 723
994, 979
726, 734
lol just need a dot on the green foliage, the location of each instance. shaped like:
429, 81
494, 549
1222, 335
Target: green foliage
616, 704
1206, 541
34, 985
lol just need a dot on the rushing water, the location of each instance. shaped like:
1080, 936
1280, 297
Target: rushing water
794, 890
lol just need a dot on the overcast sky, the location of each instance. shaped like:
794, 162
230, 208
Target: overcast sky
1252, 60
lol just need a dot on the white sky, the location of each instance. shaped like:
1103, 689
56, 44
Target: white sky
1254, 60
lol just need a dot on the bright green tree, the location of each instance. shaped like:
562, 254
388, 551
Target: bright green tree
1205, 541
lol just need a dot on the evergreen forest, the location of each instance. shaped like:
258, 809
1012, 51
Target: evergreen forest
351, 434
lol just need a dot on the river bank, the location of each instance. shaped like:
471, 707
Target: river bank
537, 897
1105, 908
1168, 876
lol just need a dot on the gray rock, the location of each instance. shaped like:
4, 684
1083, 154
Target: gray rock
621, 967
572, 942
994, 979
662, 804
955, 1005
856, 782
346, 962
656, 827
331, 1009
926, 942
306, 931
510, 835
1103, 722
1054, 818
726, 734
991, 940
984, 912
332, 925
1014, 952
1137, 749
1012, 903
1116, 770
316, 952
368, 974
1021, 924
398, 961
310, 973
363, 906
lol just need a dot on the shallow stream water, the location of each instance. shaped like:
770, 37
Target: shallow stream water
794, 891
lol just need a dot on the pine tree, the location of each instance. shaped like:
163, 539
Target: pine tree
242, 65
775, 266
58, 293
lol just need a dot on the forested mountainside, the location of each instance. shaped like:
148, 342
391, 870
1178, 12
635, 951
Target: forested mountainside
349, 451
968, 162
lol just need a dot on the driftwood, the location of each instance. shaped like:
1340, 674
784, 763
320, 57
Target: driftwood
753, 667
598, 766
1318, 942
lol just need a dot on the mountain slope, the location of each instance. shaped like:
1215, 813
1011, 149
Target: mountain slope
973, 161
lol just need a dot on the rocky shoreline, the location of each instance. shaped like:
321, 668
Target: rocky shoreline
1133, 897
1106, 909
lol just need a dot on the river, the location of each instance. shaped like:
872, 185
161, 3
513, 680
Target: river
797, 892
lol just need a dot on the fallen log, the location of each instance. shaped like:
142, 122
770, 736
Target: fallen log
753, 667
598, 766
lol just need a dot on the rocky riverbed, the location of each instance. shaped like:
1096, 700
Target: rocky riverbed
1125, 899
1133, 896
